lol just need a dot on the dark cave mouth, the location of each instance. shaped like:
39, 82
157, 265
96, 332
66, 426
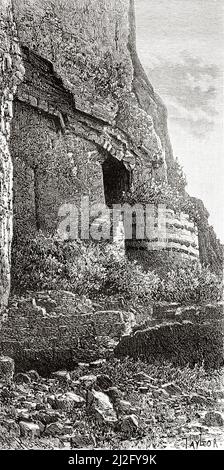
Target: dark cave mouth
116, 179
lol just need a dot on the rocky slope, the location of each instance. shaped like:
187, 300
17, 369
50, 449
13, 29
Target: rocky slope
111, 405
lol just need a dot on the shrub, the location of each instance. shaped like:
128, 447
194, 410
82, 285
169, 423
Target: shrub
96, 271
84, 268
189, 282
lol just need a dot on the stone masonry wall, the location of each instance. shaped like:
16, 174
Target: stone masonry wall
48, 331
166, 231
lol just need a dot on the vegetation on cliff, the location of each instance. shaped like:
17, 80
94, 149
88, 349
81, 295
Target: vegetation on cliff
96, 271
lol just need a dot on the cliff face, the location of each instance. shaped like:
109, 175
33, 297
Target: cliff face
84, 98
90, 46
11, 74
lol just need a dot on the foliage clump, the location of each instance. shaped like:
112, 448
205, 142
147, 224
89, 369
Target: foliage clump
97, 271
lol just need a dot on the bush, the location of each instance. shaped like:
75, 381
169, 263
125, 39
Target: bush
96, 271
189, 282
84, 268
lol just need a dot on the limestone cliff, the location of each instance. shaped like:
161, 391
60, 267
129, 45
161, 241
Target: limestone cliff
90, 45
11, 74
83, 108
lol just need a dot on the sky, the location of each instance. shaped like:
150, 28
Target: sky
181, 46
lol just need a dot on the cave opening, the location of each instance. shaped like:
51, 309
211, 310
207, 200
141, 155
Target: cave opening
117, 181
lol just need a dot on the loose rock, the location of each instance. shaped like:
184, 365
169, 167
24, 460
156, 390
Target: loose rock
54, 429
62, 376
213, 418
100, 405
104, 382
68, 401
80, 441
88, 380
21, 378
172, 388
29, 429
129, 425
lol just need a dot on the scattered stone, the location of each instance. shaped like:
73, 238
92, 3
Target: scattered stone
62, 376
88, 380
81, 441
48, 417
83, 365
198, 399
104, 382
22, 378
51, 399
40, 407
23, 415
143, 377
128, 425
34, 376
100, 405
98, 363
143, 389
218, 394
68, 401
29, 429
67, 429
10, 425
7, 368
125, 407
114, 393
213, 418
172, 389
54, 429
160, 393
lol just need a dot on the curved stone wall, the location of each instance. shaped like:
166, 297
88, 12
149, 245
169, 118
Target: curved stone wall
169, 231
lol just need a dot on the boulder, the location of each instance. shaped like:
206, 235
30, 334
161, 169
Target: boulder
34, 376
160, 393
125, 407
114, 394
62, 376
54, 429
143, 377
128, 425
87, 381
29, 429
21, 378
81, 441
213, 418
172, 389
104, 382
218, 394
68, 401
198, 399
96, 364
101, 407
7, 368
48, 417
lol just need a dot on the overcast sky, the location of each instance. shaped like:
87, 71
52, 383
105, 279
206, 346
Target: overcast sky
181, 45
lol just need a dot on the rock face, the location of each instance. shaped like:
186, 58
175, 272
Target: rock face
76, 112
87, 122
11, 75
179, 343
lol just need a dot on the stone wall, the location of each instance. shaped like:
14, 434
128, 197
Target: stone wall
166, 231
49, 331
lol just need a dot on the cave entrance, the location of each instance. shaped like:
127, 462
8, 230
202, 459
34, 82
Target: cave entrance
117, 181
